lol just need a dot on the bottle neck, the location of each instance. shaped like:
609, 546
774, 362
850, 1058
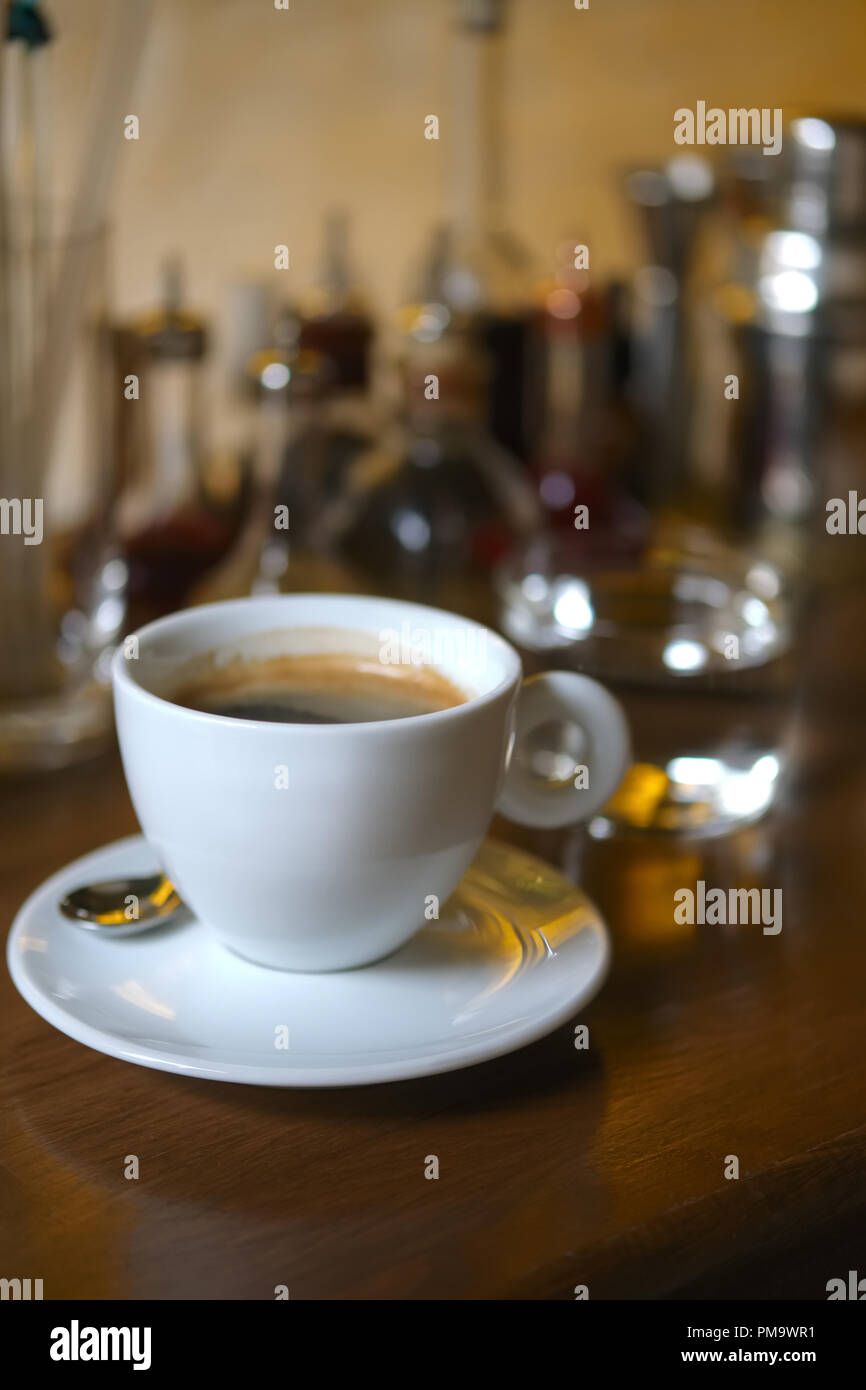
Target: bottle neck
477, 182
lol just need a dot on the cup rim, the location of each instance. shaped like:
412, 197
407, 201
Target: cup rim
123, 679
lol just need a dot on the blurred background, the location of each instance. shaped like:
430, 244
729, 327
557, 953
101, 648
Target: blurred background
427, 300
254, 122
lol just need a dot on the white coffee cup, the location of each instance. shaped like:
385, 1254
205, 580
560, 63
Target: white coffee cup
324, 846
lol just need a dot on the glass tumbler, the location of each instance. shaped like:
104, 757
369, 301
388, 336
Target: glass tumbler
695, 641
62, 582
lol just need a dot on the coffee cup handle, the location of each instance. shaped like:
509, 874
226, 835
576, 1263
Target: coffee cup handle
602, 752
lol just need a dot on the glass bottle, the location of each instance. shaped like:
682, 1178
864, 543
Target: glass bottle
475, 270
335, 322
290, 477
171, 531
428, 511
335, 318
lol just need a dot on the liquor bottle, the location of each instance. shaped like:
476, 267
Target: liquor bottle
171, 529
429, 509
583, 431
335, 318
475, 270
292, 474
335, 323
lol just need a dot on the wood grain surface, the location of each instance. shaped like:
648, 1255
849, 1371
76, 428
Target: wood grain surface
558, 1167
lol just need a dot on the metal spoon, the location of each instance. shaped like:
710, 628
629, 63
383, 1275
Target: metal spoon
122, 906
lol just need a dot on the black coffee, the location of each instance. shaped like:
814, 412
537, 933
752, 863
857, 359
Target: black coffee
313, 689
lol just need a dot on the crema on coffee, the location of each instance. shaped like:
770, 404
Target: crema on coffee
310, 688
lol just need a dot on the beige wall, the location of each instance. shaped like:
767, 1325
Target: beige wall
253, 120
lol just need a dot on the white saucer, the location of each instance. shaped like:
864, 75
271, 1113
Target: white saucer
517, 951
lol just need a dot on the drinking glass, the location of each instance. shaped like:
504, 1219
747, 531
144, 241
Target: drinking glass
694, 639
62, 582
